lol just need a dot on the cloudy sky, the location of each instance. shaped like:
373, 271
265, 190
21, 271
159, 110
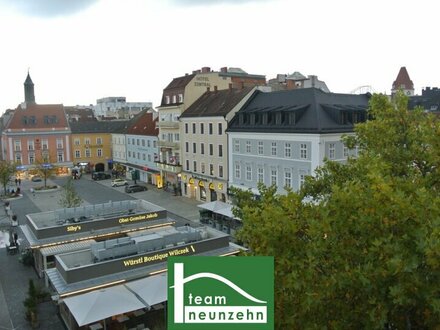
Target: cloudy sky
82, 50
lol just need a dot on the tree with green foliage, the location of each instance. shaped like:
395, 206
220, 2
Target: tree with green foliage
7, 170
69, 196
44, 168
358, 247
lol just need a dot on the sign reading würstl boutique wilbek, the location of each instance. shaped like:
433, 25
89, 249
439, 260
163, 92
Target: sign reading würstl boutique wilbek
220, 293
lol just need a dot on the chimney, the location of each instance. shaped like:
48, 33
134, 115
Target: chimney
206, 69
215, 88
224, 69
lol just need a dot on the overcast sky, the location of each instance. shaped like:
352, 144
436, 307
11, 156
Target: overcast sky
82, 50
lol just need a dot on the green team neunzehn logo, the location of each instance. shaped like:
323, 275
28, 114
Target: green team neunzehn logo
220, 293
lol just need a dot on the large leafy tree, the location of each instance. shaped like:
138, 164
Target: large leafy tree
359, 246
7, 170
69, 196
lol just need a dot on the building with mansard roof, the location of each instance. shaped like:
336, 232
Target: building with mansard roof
279, 138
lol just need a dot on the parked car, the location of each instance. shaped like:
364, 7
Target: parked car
119, 182
100, 176
36, 178
135, 188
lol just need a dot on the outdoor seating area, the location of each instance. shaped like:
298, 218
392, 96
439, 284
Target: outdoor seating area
219, 216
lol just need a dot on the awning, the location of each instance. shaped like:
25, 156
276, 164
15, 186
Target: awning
68, 247
119, 299
100, 304
219, 208
152, 290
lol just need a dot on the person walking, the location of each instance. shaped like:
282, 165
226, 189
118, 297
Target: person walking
19, 181
16, 181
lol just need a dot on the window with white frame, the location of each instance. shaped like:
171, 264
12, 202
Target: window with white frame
143, 142
237, 170
17, 145
99, 152
129, 153
144, 157
202, 148
273, 176
148, 143
210, 129
260, 147
220, 150
139, 155
137, 142
345, 152
194, 147
18, 157
174, 99
287, 178
303, 151
287, 150
248, 172
45, 144
194, 166
220, 129
211, 169
220, 171
236, 146
76, 142
88, 153
176, 137
149, 157
273, 149
31, 145
260, 174
154, 144
301, 179
186, 128
77, 153
202, 128
194, 128
187, 165
167, 99
98, 140
248, 146
45, 156
60, 157
331, 151
202, 167
128, 140
31, 157
87, 141
59, 143
211, 149
186, 146
180, 98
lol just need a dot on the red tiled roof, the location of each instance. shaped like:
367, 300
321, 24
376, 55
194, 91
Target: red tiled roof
39, 117
144, 125
403, 80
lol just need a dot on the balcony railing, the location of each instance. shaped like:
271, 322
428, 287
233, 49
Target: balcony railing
168, 124
169, 167
168, 144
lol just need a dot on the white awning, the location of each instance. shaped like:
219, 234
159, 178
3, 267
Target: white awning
152, 290
119, 299
68, 247
214, 206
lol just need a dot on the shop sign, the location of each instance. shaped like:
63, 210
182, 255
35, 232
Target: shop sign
220, 186
201, 184
191, 181
211, 186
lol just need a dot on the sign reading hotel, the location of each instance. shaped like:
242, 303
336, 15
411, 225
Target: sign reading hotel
220, 293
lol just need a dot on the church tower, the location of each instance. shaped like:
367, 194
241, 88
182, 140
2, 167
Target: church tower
403, 83
29, 95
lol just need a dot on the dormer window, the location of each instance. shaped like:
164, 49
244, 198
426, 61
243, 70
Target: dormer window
174, 99
180, 98
167, 99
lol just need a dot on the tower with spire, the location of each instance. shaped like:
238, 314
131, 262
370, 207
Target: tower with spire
29, 95
403, 83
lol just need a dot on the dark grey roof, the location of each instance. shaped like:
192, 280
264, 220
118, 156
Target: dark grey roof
429, 100
306, 110
216, 103
98, 126
28, 80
